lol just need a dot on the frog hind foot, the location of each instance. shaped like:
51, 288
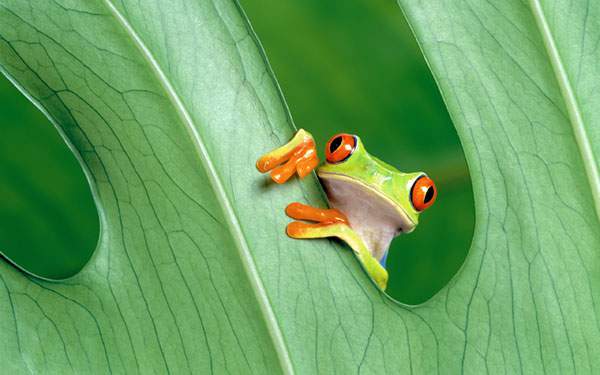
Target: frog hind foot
299, 156
333, 223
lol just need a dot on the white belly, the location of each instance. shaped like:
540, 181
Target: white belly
371, 216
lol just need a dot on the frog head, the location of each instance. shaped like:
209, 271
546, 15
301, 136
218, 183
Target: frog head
380, 201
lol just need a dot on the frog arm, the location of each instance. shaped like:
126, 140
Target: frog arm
344, 232
299, 155
377, 272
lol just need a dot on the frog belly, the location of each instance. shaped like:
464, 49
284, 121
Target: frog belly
371, 216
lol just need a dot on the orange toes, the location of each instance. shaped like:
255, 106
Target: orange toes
308, 163
297, 156
301, 211
266, 163
283, 173
296, 229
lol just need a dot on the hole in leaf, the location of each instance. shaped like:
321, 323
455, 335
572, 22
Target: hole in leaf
49, 225
357, 69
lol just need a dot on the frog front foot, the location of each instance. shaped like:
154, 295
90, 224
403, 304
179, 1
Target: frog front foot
299, 155
325, 221
333, 223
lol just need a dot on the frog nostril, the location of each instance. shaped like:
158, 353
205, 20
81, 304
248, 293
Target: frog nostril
335, 144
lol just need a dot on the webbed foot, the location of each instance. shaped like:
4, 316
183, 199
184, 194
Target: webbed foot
299, 155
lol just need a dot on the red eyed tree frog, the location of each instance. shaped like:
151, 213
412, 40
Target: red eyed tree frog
371, 201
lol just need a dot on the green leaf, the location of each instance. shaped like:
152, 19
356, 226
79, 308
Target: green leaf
173, 285
519, 81
170, 105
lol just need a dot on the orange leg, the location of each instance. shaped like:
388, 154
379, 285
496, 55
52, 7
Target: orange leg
297, 156
333, 223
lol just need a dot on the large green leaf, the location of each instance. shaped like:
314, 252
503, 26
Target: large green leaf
170, 104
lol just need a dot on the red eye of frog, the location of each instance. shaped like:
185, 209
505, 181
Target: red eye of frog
423, 193
340, 147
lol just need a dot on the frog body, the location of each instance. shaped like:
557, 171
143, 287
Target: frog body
371, 202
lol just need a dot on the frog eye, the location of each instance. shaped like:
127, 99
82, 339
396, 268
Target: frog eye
423, 193
340, 147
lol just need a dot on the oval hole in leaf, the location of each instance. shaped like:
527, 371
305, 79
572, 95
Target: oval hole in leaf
358, 69
49, 225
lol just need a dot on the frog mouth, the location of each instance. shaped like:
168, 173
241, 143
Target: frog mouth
342, 189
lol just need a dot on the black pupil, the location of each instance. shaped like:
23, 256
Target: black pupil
337, 142
428, 195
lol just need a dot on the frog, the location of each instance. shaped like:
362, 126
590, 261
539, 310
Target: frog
370, 202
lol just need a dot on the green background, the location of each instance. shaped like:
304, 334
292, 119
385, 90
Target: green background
350, 66
48, 221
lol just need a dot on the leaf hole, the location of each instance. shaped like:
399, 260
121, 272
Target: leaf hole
49, 224
358, 69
